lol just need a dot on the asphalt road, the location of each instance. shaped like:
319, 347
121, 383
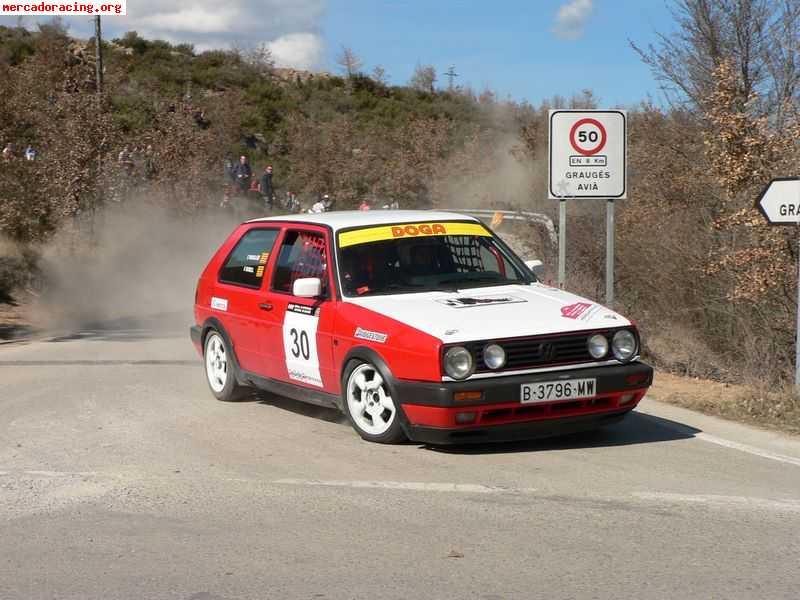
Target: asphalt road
121, 477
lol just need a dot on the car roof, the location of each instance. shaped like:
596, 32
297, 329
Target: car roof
345, 219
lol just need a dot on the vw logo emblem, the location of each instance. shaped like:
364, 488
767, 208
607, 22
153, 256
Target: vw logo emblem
548, 352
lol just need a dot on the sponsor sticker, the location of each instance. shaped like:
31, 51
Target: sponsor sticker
372, 336
249, 269
302, 309
470, 301
219, 303
262, 260
574, 311
252, 257
260, 272
407, 230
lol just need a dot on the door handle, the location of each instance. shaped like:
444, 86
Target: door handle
265, 306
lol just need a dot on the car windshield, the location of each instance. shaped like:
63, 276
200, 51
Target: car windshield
424, 257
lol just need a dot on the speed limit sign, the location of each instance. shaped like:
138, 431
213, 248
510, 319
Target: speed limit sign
587, 154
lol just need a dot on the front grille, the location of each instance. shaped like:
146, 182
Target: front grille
543, 351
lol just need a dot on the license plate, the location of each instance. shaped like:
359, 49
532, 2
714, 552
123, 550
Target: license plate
547, 391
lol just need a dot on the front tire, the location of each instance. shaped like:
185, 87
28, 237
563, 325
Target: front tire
221, 369
369, 405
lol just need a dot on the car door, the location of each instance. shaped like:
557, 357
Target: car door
300, 347
240, 285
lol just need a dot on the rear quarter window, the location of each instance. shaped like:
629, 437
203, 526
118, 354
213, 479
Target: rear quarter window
247, 263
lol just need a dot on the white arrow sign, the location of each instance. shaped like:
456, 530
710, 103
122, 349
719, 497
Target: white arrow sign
780, 201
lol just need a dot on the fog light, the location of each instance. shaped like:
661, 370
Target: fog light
625, 398
467, 396
463, 418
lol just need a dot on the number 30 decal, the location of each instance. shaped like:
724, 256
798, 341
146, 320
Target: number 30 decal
300, 344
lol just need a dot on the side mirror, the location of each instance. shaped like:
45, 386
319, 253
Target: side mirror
535, 265
309, 287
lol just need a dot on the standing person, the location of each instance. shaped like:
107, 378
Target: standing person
364, 205
30, 153
242, 174
228, 178
266, 187
8, 152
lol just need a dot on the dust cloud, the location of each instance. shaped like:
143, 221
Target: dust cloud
134, 267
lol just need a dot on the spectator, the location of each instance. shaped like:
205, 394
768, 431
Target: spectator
319, 205
30, 153
292, 203
150, 169
8, 152
395, 205
228, 177
267, 193
327, 202
242, 173
364, 205
125, 159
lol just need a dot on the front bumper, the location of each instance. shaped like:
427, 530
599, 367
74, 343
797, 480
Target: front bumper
431, 410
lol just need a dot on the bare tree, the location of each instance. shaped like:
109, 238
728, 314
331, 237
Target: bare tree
379, 75
259, 56
758, 36
349, 61
423, 78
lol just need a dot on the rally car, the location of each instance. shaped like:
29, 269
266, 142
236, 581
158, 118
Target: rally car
417, 325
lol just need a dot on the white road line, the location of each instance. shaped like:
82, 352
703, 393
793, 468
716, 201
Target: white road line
710, 500
711, 439
741, 502
461, 488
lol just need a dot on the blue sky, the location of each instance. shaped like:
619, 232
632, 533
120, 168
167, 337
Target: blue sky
509, 46
526, 50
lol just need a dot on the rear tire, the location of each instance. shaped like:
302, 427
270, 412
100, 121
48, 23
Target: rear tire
369, 405
220, 368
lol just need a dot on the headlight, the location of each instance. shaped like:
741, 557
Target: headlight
494, 356
624, 345
458, 362
598, 345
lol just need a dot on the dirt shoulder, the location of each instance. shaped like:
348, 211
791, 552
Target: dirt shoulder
777, 408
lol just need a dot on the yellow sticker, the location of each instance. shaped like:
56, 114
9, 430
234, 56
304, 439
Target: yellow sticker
264, 258
260, 272
391, 232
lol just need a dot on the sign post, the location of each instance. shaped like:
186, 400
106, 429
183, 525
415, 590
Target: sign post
780, 205
562, 243
588, 160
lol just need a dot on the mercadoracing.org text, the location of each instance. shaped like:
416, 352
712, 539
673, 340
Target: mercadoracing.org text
64, 8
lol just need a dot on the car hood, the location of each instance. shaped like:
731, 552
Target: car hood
493, 312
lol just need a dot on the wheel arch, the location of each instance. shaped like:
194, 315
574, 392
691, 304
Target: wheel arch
214, 323
367, 354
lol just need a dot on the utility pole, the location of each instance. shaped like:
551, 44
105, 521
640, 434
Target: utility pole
450, 74
98, 54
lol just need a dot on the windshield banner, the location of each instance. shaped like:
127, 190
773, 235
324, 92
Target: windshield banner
407, 230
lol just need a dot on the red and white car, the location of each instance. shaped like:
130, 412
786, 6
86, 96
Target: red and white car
416, 324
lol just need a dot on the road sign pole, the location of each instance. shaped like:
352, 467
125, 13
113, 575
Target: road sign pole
610, 253
562, 243
797, 325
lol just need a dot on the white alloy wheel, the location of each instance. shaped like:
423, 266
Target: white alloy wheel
216, 362
370, 405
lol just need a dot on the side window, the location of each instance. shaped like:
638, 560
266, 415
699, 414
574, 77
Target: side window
302, 254
246, 264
